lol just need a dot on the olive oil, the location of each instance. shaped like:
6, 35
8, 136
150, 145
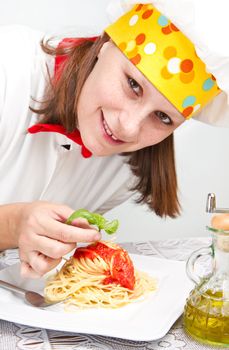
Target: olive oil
206, 313
206, 317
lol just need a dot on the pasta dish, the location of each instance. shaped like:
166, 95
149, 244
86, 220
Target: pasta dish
98, 275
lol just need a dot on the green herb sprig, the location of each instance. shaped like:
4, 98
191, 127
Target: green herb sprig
96, 219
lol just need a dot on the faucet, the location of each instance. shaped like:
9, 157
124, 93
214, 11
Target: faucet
211, 205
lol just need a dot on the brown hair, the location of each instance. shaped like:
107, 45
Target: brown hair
154, 166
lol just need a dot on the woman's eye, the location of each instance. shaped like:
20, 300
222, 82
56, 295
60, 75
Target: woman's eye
134, 86
164, 118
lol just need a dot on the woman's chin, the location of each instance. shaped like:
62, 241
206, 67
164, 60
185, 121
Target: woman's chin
101, 153
96, 150
100, 150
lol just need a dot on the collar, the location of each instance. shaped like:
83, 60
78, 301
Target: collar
74, 136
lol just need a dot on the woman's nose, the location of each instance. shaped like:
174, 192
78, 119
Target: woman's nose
130, 124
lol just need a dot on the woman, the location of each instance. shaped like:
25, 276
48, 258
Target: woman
126, 114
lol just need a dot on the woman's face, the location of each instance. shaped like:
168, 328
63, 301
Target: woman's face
119, 110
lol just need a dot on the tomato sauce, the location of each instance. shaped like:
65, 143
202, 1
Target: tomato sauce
121, 267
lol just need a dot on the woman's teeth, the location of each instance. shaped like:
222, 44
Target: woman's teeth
108, 130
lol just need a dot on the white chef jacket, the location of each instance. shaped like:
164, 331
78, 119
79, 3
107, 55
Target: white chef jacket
37, 166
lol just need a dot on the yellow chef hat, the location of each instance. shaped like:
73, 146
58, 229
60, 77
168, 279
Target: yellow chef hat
165, 56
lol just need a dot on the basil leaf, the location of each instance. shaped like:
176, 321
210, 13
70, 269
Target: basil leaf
94, 219
111, 227
100, 221
81, 213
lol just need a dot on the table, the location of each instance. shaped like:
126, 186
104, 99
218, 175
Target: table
15, 336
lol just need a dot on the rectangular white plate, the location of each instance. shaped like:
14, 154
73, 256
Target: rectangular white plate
146, 320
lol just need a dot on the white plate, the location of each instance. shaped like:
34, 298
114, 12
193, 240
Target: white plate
147, 320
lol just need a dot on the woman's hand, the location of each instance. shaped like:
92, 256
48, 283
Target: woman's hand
43, 236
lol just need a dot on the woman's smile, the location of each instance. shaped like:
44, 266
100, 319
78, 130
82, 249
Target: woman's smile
108, 135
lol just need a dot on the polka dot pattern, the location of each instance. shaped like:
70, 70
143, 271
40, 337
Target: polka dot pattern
163, 21
169, 52
139, 7
130, 45
165, 56
133, 20
174, 65
147, 14
167, 27
186, 66
150, 48
189, 101
136, 59
187, 111
208, 84
140, 39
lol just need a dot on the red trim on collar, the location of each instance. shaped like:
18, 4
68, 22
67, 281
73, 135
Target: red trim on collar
74, 136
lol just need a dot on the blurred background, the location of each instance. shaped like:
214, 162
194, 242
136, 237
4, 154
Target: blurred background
201, 150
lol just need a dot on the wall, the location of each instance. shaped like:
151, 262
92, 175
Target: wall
201, 150
52, 15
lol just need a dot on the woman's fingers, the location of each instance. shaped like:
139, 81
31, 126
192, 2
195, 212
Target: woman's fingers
44, 237
27, 271
44, 254
71, 234
51, 247
81, 222
37, 265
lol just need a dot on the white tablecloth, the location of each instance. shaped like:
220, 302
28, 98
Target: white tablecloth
16, 336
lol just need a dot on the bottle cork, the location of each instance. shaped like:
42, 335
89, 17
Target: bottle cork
221, 222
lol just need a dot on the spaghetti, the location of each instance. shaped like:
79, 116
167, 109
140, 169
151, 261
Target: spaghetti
99, 275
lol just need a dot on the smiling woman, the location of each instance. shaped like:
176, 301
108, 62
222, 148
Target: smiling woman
117, 119
98, 128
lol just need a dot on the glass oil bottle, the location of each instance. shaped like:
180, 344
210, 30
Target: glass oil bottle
206, 313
